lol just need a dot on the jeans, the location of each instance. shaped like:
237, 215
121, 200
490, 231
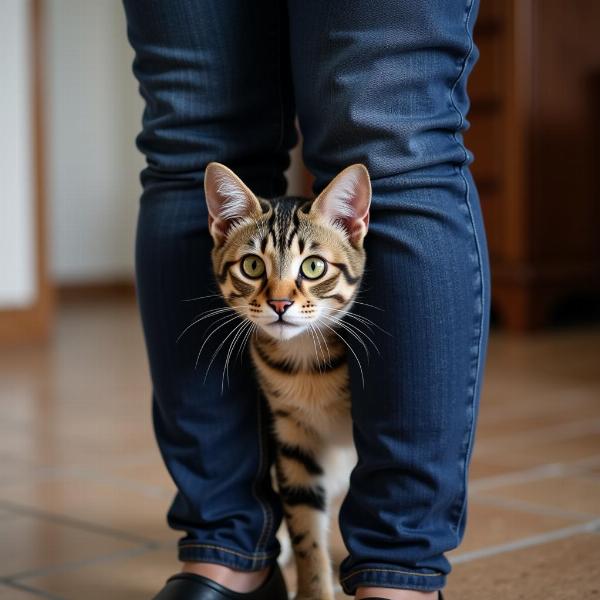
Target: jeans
381, 83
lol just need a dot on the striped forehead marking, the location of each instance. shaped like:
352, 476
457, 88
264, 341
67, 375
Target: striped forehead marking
283, 223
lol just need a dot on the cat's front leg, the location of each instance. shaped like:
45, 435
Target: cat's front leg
306, 512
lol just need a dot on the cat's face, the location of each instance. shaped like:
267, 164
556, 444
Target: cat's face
288, 265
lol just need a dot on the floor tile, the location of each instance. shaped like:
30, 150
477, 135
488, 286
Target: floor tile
14, 469
76, 441
571, 494
593, 473
480, 469
564, 570
492, 525
557, 412
11, 593
521, 453
30, 543
115, 507
131, 578
152, 473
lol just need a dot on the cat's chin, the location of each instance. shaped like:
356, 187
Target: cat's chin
282, 331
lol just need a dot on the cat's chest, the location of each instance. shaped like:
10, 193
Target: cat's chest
302, 372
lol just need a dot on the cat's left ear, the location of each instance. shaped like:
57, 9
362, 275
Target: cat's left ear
346, 201
228, 199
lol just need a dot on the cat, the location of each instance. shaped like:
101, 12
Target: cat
291, 268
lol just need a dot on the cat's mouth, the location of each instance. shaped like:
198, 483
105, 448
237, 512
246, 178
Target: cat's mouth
282, 323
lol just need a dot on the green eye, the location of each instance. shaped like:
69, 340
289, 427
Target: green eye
253, 266
313, 267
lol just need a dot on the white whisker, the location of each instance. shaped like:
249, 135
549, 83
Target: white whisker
213, 313
312, 335
202, 298
245, 340
236, 316
245, 325
369, 305
216, 352
362, 375
207, 314
319, 332
351, 326
345, 327
362, 319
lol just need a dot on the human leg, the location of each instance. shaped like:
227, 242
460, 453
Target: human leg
213, 75
385, 84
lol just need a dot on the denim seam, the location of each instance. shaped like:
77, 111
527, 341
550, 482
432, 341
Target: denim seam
267, 516
481, 296
398, 571
257, 556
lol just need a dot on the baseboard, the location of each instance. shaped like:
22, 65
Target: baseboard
90, 291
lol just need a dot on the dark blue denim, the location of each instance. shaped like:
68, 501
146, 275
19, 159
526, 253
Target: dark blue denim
382, 83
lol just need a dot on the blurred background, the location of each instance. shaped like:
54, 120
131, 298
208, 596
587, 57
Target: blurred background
83, 492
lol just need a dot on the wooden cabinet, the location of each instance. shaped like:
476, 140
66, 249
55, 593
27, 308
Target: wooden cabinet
535, 133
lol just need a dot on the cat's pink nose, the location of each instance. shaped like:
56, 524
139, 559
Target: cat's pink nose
279, 305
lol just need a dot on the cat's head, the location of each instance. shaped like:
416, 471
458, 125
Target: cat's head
288, 264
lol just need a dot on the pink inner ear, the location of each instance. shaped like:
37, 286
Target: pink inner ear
347, 199
228, 199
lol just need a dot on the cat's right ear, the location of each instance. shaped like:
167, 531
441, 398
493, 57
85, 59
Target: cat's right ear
228, 200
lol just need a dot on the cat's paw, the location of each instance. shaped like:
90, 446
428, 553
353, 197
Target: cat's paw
286, 554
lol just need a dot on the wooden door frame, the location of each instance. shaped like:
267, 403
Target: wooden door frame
33, 323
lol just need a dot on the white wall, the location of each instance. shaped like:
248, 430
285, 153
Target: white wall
93, 114
17, 217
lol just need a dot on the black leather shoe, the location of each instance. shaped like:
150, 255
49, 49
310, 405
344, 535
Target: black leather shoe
188, 586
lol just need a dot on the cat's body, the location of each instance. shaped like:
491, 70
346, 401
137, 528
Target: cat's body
310, 403
291, 267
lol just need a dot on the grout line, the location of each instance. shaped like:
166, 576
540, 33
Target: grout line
546, 471
531, 507
31, 590
87, 474
78, 564
76, 523
528, 542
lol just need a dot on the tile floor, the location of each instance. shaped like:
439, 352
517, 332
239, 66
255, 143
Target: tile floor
83, 492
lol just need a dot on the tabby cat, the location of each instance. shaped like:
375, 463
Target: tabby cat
291, 268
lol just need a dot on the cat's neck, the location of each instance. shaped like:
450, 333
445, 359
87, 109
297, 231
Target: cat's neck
304, 349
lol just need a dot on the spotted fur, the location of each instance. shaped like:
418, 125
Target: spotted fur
294, 323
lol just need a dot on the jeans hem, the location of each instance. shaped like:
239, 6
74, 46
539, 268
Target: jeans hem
392, 578
212, 553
